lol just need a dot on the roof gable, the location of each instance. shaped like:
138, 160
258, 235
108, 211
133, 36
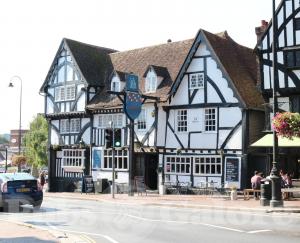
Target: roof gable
238, 64
92, 62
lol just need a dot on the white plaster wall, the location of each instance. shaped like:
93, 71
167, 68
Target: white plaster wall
196, 120
161, 126
291, 83
51, 91
297, 37
216, 75
81, 103
86, 136
50, 108
280, 57
84, 121
199, 97
205, 140
54, 137
266, 77
281, 39
280, 17
289, 5
202, 50
281, 79
230, 116
290, 36
236, 140
197, 64
265, 43
181, 96
171, 141
212, 95
223, 134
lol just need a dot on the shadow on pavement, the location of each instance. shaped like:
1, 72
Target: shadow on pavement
41, 223
25, 240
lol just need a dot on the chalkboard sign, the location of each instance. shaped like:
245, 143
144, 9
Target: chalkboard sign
87, 184
232, 169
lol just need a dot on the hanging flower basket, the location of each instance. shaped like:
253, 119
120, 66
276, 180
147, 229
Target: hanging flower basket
287, 124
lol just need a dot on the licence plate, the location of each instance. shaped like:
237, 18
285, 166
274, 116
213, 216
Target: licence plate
23, 190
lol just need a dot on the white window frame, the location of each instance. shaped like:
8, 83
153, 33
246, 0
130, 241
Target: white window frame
142, 120
74, 125
121, 159
73, 160
117, 86
209, 121
207, 163
104, 119
175, 164
64, 126
150, 83
196, 80
181, 124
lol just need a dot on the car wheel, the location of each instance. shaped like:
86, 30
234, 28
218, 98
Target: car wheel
37, 207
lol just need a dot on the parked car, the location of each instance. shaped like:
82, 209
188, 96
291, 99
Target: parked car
18, 189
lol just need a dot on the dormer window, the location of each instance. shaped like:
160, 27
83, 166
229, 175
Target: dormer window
151, 82
115, 86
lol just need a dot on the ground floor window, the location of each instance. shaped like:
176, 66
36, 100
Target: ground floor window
178, 164
207, 165
73, 159
121, 159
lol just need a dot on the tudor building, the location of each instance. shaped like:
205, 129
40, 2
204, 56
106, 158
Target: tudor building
287, 26
204, 112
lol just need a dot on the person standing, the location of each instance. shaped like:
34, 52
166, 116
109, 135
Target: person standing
42, 179
255, 183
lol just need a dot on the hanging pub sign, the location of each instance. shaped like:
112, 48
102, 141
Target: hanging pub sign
133, 100
133, 105
132, 83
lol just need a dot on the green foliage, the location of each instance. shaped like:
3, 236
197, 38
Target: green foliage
35, 142
3, 139
287, 124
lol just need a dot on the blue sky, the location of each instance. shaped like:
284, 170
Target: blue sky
32, 30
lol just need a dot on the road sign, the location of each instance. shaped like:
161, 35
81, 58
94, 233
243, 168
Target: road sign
132, 83
133, 105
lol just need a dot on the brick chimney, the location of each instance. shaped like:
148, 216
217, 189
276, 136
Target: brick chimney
259, 31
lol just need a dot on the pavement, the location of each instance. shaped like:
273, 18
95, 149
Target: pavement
13, 232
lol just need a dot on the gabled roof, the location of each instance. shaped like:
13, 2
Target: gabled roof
170, 56
92, 61
237, 62
160, 71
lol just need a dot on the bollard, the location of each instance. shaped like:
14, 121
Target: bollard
265, 195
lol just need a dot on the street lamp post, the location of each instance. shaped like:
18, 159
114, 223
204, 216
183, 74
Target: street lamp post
276, 200
11, 85
112, 126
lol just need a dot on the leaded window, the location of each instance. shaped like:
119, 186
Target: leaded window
210, 119
292, 58
141, 121
208, 165
182, 121
75, 125
64, 126
197, 81
178, 165
120, 156
73, 158
104, 120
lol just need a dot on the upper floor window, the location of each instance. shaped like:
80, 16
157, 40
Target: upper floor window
150, 84
104, 120
210, 119
70, 126
196, 81
63, 93
292, 59
115, 86
142, 122
182, 121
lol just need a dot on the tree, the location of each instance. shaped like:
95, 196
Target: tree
18, 160
35, 142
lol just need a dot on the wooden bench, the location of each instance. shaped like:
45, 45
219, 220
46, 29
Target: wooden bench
248, 191
285, 191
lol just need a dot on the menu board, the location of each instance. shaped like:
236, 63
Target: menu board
232, 169
87, 184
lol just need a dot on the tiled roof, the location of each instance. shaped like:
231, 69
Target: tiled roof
170, 56
241, 66
93, 61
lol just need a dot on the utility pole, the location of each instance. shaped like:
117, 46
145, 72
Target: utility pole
112, 126
131, 157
